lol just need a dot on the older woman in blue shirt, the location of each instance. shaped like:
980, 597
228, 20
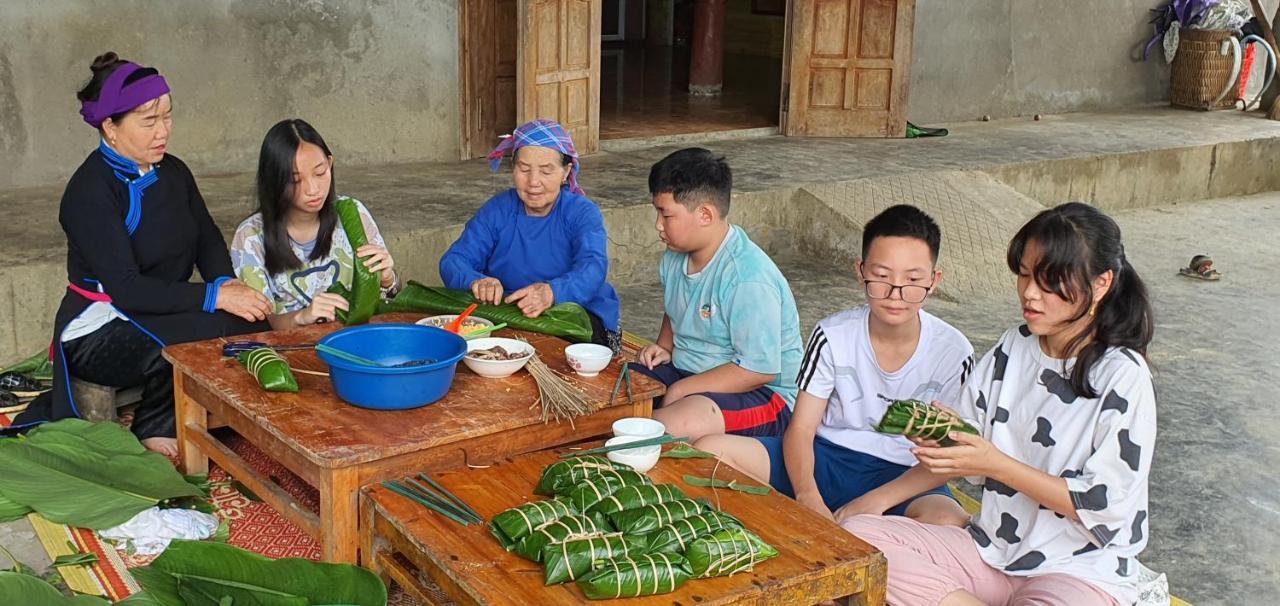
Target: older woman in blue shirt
541, 242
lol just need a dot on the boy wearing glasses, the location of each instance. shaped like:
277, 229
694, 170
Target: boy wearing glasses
830, 459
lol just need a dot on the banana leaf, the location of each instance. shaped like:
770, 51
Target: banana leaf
585, 494
566, 320
366, 289
635, 576
560, 476
631, 497
18, 588
513, 524
195, 573
568, 528
652, 517
727, 552
571, 560
10, 511
37, 367
271, 370
677, 536
91, 475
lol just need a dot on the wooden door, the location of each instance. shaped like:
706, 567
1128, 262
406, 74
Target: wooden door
558, 72
488, 42
849, 66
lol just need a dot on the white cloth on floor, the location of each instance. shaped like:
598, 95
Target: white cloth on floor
151, 530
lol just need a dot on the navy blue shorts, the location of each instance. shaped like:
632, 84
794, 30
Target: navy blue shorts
755, 413
842, 474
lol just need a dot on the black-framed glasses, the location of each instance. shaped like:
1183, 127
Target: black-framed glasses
910, 293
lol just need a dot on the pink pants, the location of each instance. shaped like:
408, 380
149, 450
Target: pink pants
927, 562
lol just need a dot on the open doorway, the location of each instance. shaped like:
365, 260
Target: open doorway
644, 74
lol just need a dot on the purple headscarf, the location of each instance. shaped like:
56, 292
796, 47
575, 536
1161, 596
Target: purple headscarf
116, 97
540, 133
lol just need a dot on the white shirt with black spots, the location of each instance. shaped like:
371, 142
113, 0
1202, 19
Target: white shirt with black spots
840, 366
1023, 403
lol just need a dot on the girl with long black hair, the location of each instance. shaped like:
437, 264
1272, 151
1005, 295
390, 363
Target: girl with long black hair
293, 249
1067, 412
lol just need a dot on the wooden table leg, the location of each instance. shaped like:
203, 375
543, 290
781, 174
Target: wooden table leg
188, 412
339, 515
642, 408
877, 585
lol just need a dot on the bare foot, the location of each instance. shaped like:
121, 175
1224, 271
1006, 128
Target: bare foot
165, 446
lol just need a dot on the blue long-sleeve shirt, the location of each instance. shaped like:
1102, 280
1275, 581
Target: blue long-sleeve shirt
566, 249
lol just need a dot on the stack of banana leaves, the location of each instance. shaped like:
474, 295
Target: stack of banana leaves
615, 533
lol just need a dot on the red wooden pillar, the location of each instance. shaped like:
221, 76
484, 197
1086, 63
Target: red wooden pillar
706, 69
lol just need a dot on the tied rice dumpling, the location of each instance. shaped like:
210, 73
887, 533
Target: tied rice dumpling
513, 524
561, 476
596, 487
271, 371
572, 560
632, 497
635, 576
677, 536
568, 528
915, 419
652, 517
727, 552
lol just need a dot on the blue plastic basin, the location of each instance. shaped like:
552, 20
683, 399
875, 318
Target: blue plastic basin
393, 388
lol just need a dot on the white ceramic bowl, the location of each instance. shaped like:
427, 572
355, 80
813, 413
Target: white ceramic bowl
641, 459
472, 323
640, 427
497, 369
588, 359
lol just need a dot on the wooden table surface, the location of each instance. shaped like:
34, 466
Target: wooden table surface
331, 433
817, 560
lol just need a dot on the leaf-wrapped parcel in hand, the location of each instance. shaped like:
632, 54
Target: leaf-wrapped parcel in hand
271, 370
366, 289
570, 560
568, 528
632, 497
652, 517
567, 320
727, 552
635, 576
513, 524
915, 419
677, 536
559, 477
596, 487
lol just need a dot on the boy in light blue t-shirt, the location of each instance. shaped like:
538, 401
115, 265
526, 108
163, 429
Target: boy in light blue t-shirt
730, 346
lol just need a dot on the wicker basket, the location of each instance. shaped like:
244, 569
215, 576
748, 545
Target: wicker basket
1201, 70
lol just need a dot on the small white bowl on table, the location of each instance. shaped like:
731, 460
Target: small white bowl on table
588, 359
641, 459
640, 427
497, 369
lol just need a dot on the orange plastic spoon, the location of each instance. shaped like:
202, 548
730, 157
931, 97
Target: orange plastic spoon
456, 324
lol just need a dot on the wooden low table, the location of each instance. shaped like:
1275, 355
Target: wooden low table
402, 540
339, 448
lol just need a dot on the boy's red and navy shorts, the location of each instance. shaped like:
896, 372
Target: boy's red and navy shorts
757, 413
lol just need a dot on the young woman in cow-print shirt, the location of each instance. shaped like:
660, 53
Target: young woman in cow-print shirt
1067, 412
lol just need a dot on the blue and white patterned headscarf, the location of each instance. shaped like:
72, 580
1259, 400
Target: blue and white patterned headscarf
540, 133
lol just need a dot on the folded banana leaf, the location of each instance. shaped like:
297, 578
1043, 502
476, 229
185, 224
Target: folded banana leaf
677, 536
366, 286
571, 560
595, 488
727, 552
271, 370
513, 524
567, 320
560, 476
635, 576
568, 528
652, 517
632, 497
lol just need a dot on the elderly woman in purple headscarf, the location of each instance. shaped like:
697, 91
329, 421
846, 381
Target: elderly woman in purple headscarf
136, 229
541, 242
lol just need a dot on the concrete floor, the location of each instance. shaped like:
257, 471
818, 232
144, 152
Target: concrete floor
1215, 505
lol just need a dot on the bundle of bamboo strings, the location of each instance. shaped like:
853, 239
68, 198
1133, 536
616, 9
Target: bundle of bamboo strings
560, 399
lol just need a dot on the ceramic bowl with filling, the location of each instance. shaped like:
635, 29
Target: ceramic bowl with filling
471, 324
641, 459
588, 359
639, 427
497, 369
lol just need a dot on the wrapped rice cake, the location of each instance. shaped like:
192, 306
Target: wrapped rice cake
596, 488
727, 552
652, 517
513, 524
571, 560
568, 528
635, 496
561, 476
635, 576
677, 536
